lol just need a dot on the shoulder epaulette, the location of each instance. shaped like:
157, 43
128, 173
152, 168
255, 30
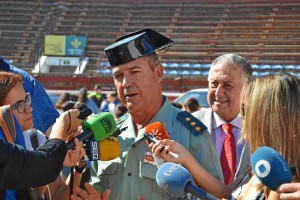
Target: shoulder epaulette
194, 125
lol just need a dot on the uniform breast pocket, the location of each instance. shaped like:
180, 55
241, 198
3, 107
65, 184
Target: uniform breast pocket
148, 171
107, 169
108, 175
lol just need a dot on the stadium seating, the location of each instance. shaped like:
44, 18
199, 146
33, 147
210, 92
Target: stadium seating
263, 31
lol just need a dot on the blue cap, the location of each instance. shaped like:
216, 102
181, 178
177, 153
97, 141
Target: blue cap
4, 65
135, 45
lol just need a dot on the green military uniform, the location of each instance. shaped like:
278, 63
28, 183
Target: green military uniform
129, 176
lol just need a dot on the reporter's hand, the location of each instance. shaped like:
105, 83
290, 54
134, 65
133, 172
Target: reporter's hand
289, 191
172, 151
66, 124
91, 193
74, 155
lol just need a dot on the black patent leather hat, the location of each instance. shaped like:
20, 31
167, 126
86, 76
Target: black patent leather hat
135, 45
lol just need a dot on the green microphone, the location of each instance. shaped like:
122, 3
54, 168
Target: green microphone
97, 127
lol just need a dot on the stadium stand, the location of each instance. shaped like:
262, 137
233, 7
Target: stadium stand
266, 32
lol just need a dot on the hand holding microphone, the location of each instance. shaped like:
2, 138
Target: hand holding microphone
65, 124
73, 156
176, 152
153, 133
289, 191
97, 127
158, 140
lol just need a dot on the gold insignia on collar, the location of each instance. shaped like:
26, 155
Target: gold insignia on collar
187, 119
193, 123
197, 128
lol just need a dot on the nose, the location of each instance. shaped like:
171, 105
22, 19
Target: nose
219, 91
28, 108
127, 81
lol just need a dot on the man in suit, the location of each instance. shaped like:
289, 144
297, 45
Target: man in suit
227, 75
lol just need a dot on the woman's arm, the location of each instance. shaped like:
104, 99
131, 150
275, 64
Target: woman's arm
174, 152
20, 168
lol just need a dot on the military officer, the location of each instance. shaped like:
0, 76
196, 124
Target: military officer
137, 75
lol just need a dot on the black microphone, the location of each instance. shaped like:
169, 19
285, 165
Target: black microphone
84, 113
97, 127
178, 181
116, 133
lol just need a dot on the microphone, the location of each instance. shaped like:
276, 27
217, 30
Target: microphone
97, 127
153, 132
84, 113
157, 130
116, 133
107, 149
270, 167
178, 181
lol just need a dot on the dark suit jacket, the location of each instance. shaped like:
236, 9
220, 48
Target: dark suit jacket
206, 116
20, 168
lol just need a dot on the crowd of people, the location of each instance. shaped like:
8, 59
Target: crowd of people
96, 101
214, 144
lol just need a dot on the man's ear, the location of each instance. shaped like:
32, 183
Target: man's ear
159, 71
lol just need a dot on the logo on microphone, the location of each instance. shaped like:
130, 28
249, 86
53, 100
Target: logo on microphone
262, 168
108, 126
95, 150
172, 168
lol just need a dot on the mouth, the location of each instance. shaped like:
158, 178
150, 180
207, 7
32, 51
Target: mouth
219, 101
130, 95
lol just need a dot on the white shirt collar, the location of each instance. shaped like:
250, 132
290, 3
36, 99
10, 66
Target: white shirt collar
218, 121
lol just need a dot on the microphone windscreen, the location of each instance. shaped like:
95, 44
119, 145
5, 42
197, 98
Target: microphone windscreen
107, 149
157, 130
270, 167
102, 125
110, 148
173, 178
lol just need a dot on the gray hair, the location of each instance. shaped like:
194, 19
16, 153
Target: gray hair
235, 60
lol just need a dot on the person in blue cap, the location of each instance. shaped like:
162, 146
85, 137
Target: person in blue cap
137, 75
44, 113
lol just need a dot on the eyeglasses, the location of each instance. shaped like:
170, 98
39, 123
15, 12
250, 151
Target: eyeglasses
21, 105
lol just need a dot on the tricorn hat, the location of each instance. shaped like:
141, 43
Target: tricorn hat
135, 45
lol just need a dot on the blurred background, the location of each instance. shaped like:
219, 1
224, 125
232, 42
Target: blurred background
61, 42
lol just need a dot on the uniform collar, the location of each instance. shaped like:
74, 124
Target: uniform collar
163, 116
